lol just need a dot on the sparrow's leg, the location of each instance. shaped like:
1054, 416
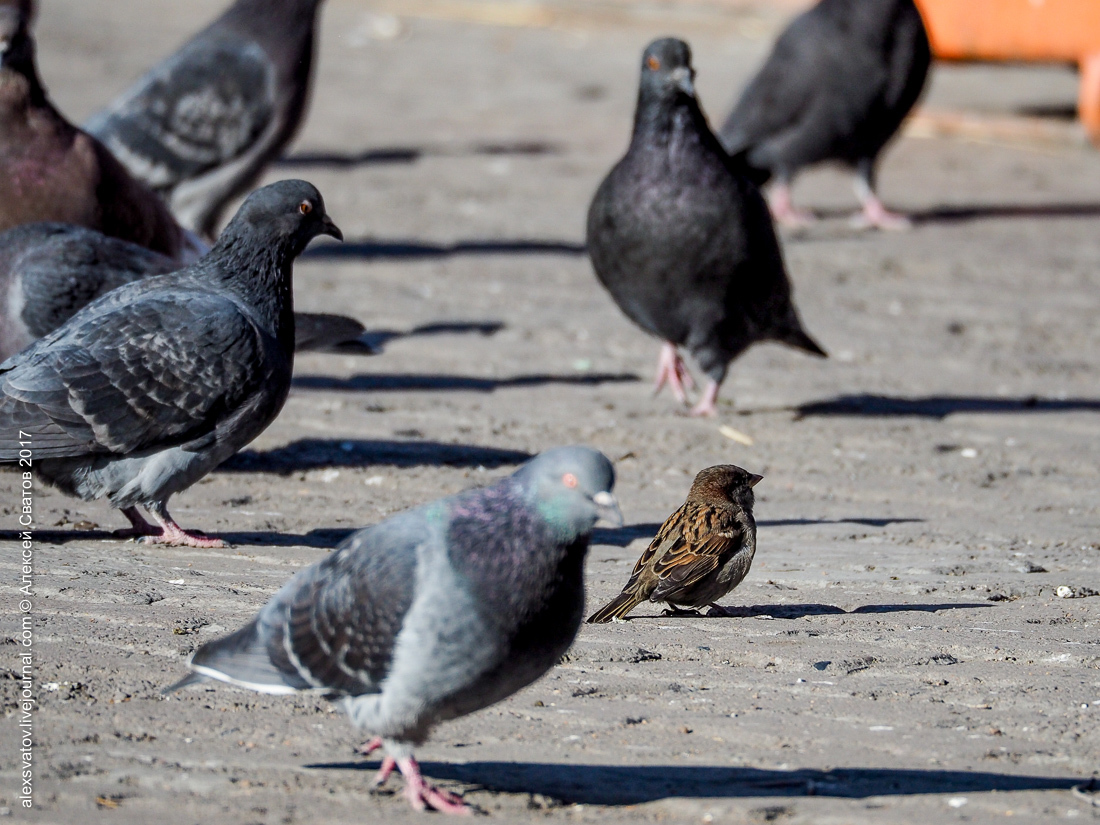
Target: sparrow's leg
421, 795
138, 525
707, 405
174, 535
783, 209
671, 370
875, 215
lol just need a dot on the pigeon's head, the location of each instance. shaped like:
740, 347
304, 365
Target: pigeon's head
288, 215
571, 487
726, 482
16, 45
666, 70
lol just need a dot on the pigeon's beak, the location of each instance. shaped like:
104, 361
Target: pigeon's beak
330, 228
755, 479
608, 508
684, 79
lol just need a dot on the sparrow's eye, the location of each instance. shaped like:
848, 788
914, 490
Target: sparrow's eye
305, 207
569, 480
653, 63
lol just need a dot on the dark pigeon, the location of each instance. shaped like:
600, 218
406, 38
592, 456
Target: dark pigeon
150, 387
837, 86
48, 271
681, 237
201, 127
52, 171
433, 614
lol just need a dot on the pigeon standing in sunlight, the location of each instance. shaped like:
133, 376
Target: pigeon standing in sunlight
150, 387
681, 237
837, 86
201, 127
433, 614
49, 271
701, 552
51, 171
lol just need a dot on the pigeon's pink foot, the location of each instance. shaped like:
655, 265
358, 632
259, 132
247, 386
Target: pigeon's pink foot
175, 536
672, 371
421, 795
707, 406
875, 215
138, 526
367, 748
784, 211
388, 762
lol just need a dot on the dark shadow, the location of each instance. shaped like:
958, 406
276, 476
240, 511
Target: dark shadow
405, 381
322, 537
366, 249
798, 611
622, 536
979, 212
314, 453
1054, 111
941, 406
637, 784
411, 154
378, 338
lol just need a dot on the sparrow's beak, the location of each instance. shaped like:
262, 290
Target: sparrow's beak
608, 508
330, 228
684, 78
755, 479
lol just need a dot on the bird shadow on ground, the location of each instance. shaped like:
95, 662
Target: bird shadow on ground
940, 406
411, 154
371, 249
378, 338
315, 453
321, 537
406, 381
980, 212
798, 611
623, 536
638, 784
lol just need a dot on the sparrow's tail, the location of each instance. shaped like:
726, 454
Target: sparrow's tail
617, 608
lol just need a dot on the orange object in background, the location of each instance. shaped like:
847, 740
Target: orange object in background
1050, 31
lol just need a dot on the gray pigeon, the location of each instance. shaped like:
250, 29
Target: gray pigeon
837, 86
681, 237
48, 271
200, 127
52, 171
150, 387
433, 614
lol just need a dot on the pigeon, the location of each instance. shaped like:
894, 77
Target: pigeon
148, 388
200, 127
52, 171
701, 552
48, 271
681, 237
434, 613
837, 86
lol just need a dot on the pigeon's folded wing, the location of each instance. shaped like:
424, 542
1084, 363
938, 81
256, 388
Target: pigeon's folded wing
198, 110
124, 377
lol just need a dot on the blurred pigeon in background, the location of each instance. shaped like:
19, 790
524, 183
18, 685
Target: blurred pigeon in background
152, 386
681, 237
433, 614
49, 271
51, 171
837, 86
200, 127
701, 552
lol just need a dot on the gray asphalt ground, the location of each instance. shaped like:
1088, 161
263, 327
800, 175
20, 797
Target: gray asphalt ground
901, 653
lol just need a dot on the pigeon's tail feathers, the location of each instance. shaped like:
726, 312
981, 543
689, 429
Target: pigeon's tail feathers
617, 608
796, 337
740, 163
242, 659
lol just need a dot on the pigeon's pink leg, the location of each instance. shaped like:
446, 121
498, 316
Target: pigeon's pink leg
139, 526
421, 795
875, 215
783, 209
388, 762
707, 404
671, 370
174, 535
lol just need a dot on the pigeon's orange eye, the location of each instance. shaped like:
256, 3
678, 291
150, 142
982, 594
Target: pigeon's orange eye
569, 480
305, 207
653, 63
